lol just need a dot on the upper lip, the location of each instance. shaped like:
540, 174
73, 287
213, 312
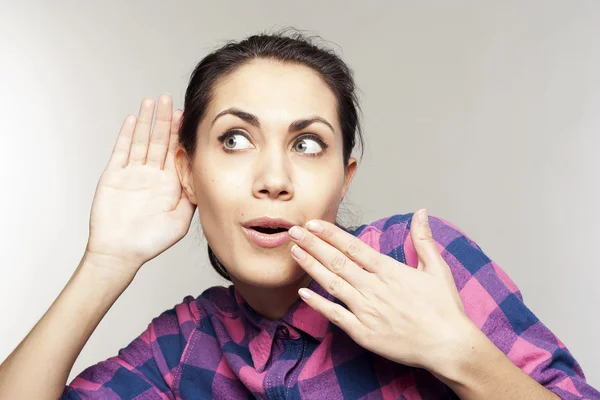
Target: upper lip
268, 222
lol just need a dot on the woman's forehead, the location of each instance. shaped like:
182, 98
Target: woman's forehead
272, 89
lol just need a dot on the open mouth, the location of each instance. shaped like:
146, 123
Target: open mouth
268, 231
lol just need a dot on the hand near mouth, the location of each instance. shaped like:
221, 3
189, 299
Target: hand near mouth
404, 314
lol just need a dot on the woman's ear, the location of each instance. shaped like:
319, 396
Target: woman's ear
349, 175
183, 165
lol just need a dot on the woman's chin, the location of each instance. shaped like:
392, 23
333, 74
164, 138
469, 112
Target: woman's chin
269, 274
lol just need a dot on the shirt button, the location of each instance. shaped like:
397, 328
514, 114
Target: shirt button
285, 331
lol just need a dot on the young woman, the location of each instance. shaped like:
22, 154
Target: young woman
405, 307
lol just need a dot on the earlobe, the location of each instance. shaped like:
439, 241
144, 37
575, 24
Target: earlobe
184, 172
190, 194
349, 174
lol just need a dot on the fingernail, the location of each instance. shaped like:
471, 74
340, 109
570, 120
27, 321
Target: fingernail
298, 252
304, 293
314, 226
296, 233
422, 216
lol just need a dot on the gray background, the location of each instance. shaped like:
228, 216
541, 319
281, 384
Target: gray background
487, 113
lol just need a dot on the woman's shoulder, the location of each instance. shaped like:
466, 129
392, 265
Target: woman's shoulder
466, 259
393, 232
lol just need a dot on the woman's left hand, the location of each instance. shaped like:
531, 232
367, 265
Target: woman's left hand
407, 315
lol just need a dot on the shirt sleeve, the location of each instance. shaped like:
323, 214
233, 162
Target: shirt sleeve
145, 368
495, 304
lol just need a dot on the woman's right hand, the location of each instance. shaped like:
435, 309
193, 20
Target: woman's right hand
140, 209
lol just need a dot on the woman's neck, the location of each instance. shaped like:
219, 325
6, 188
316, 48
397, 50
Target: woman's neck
271, 303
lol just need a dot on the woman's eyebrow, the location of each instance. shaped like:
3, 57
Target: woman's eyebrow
300, 124
249, 118
252, 119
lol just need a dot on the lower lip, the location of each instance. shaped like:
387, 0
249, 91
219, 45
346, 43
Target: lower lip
266, 240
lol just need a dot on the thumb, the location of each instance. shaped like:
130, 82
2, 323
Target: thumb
422, 238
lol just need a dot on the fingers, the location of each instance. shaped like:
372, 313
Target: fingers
122, 146
352, 247
335, 313
159, 141
136, 146
329, 256
173, 140
141, 133
333, 283
422, 238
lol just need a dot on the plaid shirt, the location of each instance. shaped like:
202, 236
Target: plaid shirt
216, 346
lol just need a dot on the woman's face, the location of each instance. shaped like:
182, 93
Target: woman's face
270, 145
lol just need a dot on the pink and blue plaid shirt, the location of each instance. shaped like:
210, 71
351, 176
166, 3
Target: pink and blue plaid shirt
216, 346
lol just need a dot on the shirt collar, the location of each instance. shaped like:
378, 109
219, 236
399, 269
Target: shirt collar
300, 316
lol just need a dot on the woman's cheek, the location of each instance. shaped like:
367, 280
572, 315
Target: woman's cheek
321, 195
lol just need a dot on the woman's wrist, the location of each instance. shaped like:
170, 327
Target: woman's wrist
108, 268
462, 353
475, 368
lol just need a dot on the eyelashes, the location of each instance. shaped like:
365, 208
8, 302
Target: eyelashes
232, 134
224, 139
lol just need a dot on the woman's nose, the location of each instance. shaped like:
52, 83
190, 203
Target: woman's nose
273, 179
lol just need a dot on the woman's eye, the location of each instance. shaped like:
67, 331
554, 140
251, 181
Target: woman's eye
308, 146
235, 141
